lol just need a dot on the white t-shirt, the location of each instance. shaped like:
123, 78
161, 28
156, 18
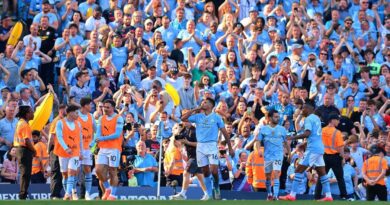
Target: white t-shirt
92, 23
358, 158
177, 84
35, 40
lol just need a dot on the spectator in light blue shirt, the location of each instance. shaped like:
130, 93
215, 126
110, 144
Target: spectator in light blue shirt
7, 130
372, 117
46, 7
144, 166
168, 32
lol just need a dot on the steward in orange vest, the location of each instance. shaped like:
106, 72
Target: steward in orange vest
255, 168
25, 149
40, 161
374, 171
333, 156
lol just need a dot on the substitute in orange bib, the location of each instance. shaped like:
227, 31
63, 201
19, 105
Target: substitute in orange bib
40, 161
68, 148
334, 153
255, 168
109, 139
87, 129
25, 149
374, 171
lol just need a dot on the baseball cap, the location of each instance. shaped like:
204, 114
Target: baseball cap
334, 117
253, 9
148, 21
272, 28
187, 76
296, 46
173, 70
348, 18
152, 67
6, 88
273, 56
45, 2
4, 16
271, 16
312, 53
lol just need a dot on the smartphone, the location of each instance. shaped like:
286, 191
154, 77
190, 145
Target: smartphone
249, 110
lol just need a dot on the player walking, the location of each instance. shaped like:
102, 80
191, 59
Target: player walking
87, 130
68, 148
313, 155
273, 137
109, 139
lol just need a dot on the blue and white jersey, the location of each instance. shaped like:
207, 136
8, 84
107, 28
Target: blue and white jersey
273, 139
207, 126
314, 141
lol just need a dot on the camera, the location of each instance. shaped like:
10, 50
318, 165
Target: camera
183, 133
222, 152
136, 125
128, 166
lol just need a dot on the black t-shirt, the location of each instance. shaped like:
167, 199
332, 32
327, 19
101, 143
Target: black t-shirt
375, 94
355, 116
48, 38
345, 125
98, 93
324, 112
191, 151
177, 56
258, 113
108, 14
3, 44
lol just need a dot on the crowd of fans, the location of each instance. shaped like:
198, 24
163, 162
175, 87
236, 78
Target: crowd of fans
250, 56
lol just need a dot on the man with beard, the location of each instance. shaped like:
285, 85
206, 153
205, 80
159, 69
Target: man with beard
207, 125
53, 21
48, 36
273, 137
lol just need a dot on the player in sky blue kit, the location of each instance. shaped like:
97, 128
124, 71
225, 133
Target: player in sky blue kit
273, 137
313, 156
208, 123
